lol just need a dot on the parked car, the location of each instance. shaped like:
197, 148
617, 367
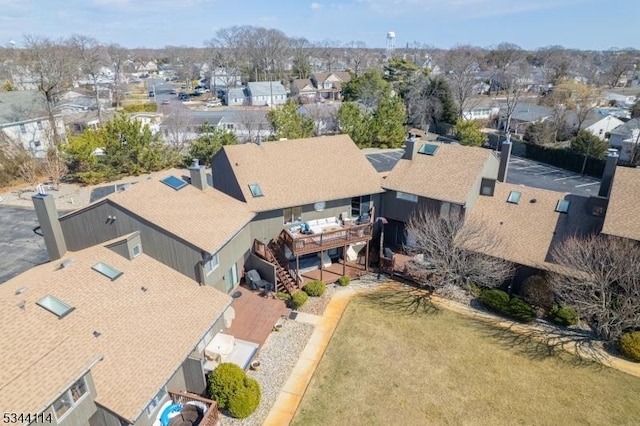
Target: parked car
183, 96
214, 103
152, 94
166, 102
173, 92
201, 90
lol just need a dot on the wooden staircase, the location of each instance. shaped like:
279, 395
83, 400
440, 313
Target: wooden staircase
274, 254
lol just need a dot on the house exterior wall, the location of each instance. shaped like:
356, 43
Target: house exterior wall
604, 126
223, 176
81, 412
490, 171
236, 251
400, 210
35, 136
268, 225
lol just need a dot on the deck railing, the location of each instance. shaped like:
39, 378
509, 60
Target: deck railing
211, 416
349, 234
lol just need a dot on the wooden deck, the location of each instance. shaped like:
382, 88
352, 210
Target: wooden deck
332, 273
301, 244
255, 316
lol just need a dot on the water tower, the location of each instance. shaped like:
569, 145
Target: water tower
391, 43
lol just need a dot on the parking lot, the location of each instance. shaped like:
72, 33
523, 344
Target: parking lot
537, 175
21, 248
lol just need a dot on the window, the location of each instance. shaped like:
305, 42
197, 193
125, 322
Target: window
23, 128
70, 398
407, 197
255, 189
514, 197
487, 187
174, 182
55, 306
292, 215
562, 206
136, 250
230, 126
444, 209
211, 264
106, 270
428, 149
155, 402
360, 205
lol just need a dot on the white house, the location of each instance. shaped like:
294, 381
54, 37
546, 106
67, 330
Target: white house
481, 109
266, 93
236, 96
601, 126
25, 122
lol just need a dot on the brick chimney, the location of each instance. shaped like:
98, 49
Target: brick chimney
609, 173
198, 175
50, 225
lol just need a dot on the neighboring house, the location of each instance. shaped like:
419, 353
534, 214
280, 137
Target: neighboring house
25, 122
622, 136
99, 336
74, 101
324, 116
304, 90
524, 115
438, 177
245, 124
595, 122
482, 108
236, 96
621, 97
266, 93
329, 84
77, 123
171, 225
151, 119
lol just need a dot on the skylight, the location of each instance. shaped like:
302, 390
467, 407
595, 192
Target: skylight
55, 306
562, 206
255, 189
428, 149
514, 197
106, 270
174, 182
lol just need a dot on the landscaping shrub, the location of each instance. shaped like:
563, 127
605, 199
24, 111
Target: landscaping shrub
315, 288
537, 291
496, 300
233, 390
563, 315
629, 345
344, 280
520, 310
472, 289
298, 299
283, 296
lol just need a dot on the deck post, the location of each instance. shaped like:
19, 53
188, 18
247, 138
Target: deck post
344, 260
297, 270
321, 261
366, 258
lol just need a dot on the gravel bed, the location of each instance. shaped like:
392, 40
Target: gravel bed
277, 357
317, 305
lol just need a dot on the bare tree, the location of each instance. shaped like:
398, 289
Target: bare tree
556, 61
118, 56
616, 63
602, 282
29, 170
177, 128
92, 56
510, 75
357, 54
300, 49
327, 50
54, 166
461, 65
52, 66
454, 249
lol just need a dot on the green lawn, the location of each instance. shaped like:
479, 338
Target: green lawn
394, 362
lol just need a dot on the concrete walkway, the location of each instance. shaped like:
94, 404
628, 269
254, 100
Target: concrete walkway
291, 394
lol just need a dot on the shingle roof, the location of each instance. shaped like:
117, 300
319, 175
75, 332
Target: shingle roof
41, 355
266, 88
183, 212
627, 128
301, 171
527, 231
21, 105
530, 112
449, 175
623, 212
303, 83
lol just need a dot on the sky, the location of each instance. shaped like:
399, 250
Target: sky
581, 24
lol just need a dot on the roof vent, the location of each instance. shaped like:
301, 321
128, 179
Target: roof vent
20, 290
144, 289
66, 263
21, 304
533, 201
97, 334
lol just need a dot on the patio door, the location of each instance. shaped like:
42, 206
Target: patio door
232, 277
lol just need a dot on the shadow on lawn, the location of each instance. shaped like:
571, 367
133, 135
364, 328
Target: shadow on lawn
541, 341
404, 300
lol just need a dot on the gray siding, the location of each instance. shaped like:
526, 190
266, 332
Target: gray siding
268, 225
125, 248
266, 270
401, 210
90, 226
82, 411
194, 376
490, 171
235, 251
223, 177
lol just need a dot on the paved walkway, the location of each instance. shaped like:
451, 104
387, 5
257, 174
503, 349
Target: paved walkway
291, 394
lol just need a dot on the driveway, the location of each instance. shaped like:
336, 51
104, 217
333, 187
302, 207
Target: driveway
20, 247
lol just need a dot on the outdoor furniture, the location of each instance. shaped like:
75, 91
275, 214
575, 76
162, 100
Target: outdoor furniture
256, 282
